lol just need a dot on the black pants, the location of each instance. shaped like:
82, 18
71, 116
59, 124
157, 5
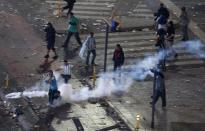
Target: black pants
185, 35
88, 56
77, 37
69, 7
66, 78
51, 95
117, 65
161, 94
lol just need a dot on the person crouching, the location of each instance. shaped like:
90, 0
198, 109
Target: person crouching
53, 88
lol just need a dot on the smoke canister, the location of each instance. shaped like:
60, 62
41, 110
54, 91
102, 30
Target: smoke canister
137, 126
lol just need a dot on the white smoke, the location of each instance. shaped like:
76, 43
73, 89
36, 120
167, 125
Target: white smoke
195, 47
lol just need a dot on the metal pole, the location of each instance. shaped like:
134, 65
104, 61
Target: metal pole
106, 45
153, 104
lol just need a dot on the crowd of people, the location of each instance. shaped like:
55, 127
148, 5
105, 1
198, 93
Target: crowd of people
165, 39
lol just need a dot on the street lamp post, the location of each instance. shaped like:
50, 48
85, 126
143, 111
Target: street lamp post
153, 104
106, 44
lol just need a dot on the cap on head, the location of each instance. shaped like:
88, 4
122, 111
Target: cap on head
161, 4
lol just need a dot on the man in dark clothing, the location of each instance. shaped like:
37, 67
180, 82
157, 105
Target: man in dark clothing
170, 38
50, 39
162, 11
159, 87
118, 57
69, 6
184, 23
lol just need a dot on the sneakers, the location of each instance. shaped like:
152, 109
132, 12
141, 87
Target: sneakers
55, 57
93, 64
176, 55
64, 46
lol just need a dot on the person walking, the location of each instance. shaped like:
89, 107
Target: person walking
91, 48
53, 88
73, 29
69, 6
118, 57
184, 22
50, 39
170, 38
66, 71
159, 87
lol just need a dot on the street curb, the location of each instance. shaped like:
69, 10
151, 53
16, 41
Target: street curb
131, 126
192, 26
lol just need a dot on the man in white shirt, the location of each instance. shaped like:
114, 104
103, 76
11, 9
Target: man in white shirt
66, 71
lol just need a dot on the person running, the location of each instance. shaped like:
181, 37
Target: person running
118, 57
74, 29
53, 88
91, 48
184, 22
69, 6
50, 39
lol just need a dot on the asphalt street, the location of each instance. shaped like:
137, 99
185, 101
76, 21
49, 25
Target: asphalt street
22, 50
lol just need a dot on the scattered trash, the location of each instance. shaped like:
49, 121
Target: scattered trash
12, 47
34, 54
31, 75
36, 126
128, 102
98, 20
7, 25
95, 24
83, 24
145, 29
187, 80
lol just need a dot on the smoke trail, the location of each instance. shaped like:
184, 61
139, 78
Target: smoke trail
120, 81
195, 47
107, 84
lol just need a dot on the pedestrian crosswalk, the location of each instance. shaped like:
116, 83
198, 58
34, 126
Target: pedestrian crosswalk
86, 9
136, 46
99, 9
141, 10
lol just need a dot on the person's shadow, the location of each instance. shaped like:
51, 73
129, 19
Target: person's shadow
45, 66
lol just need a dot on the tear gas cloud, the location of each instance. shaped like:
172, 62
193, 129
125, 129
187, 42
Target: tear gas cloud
195, 47
111, 82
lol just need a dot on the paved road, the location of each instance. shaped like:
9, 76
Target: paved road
136, 44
